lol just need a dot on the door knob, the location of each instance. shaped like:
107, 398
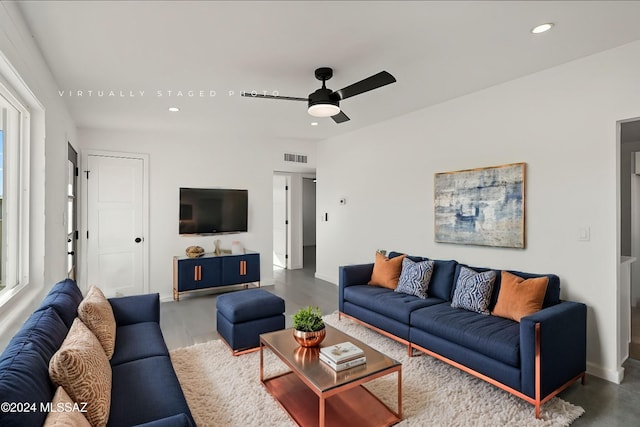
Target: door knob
138, 240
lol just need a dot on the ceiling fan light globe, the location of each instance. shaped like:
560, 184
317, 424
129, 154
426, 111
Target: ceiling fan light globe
323, 110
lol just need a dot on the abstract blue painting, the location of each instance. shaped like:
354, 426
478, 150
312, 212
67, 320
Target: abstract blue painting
482, 206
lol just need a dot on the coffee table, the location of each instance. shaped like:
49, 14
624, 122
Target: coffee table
313, 394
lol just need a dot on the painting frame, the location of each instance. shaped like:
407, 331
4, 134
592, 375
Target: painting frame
482, 206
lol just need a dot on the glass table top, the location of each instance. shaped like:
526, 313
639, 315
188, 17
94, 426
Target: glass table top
306, 361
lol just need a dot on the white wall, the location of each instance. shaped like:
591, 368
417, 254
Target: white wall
47, 241
201, 160
561, 122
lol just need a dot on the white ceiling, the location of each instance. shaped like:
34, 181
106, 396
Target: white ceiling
436, 50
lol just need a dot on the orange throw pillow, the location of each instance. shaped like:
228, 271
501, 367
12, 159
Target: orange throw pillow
519, 297
386, 272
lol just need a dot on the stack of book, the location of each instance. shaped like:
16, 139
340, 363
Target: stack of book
342, 356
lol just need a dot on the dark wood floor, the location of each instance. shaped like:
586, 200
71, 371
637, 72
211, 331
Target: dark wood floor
193, 320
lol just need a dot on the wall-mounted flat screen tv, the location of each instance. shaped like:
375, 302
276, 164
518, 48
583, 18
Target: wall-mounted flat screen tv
213, 210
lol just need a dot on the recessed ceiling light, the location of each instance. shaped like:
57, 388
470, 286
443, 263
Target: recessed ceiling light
314, 123
174, 109
542, 28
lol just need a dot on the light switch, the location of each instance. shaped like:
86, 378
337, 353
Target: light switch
584, 234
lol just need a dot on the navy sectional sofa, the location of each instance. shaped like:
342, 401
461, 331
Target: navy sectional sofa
145, 389
534, 359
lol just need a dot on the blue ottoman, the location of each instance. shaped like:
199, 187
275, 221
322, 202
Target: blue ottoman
242, 316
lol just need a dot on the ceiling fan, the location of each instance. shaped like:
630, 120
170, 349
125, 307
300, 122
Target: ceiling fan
325, 102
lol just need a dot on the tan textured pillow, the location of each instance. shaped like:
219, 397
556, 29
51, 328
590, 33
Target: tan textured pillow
65, 412
82, 368
96, 313
519, 297
386, 272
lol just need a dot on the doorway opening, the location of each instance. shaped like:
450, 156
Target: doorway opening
629, 292
294, 221
309, 224
281, 224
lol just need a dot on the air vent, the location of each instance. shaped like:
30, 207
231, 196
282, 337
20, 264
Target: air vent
296, 158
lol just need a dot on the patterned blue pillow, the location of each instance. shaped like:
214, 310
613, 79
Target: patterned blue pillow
415, 277
473, 290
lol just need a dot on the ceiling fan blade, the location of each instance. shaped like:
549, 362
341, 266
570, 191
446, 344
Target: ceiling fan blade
260, 95
383, 78
340, 117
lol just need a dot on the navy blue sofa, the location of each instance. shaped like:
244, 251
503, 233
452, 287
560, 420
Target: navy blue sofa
534, 359
145, 390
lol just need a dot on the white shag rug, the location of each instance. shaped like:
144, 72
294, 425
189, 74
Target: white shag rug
223, 390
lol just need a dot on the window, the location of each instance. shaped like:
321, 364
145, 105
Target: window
14, 193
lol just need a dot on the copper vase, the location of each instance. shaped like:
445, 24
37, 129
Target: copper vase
306, 356
309, 339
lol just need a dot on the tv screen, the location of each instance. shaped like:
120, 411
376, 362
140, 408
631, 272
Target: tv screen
213, 210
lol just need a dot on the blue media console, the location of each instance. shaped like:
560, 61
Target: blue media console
210, 271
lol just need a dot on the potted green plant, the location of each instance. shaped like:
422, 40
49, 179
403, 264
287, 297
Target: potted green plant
308, 326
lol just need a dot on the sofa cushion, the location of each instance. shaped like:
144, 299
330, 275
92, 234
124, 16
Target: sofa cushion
97, 315
386, 271
442, 279
64, 413
495, 337
136, 309
24, 367
552, 295
395, 305
64, 297
519, 297
44, 331
415, 277
473, 290
146, 390
414, 258
82, 368
138, 341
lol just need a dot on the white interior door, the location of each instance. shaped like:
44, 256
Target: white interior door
72, 211
115, 244
280, 220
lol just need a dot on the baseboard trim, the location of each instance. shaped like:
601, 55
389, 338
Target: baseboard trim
606, 374
325, 278
267, 282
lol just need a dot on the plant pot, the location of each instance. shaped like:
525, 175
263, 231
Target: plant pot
306, 356
309, 339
